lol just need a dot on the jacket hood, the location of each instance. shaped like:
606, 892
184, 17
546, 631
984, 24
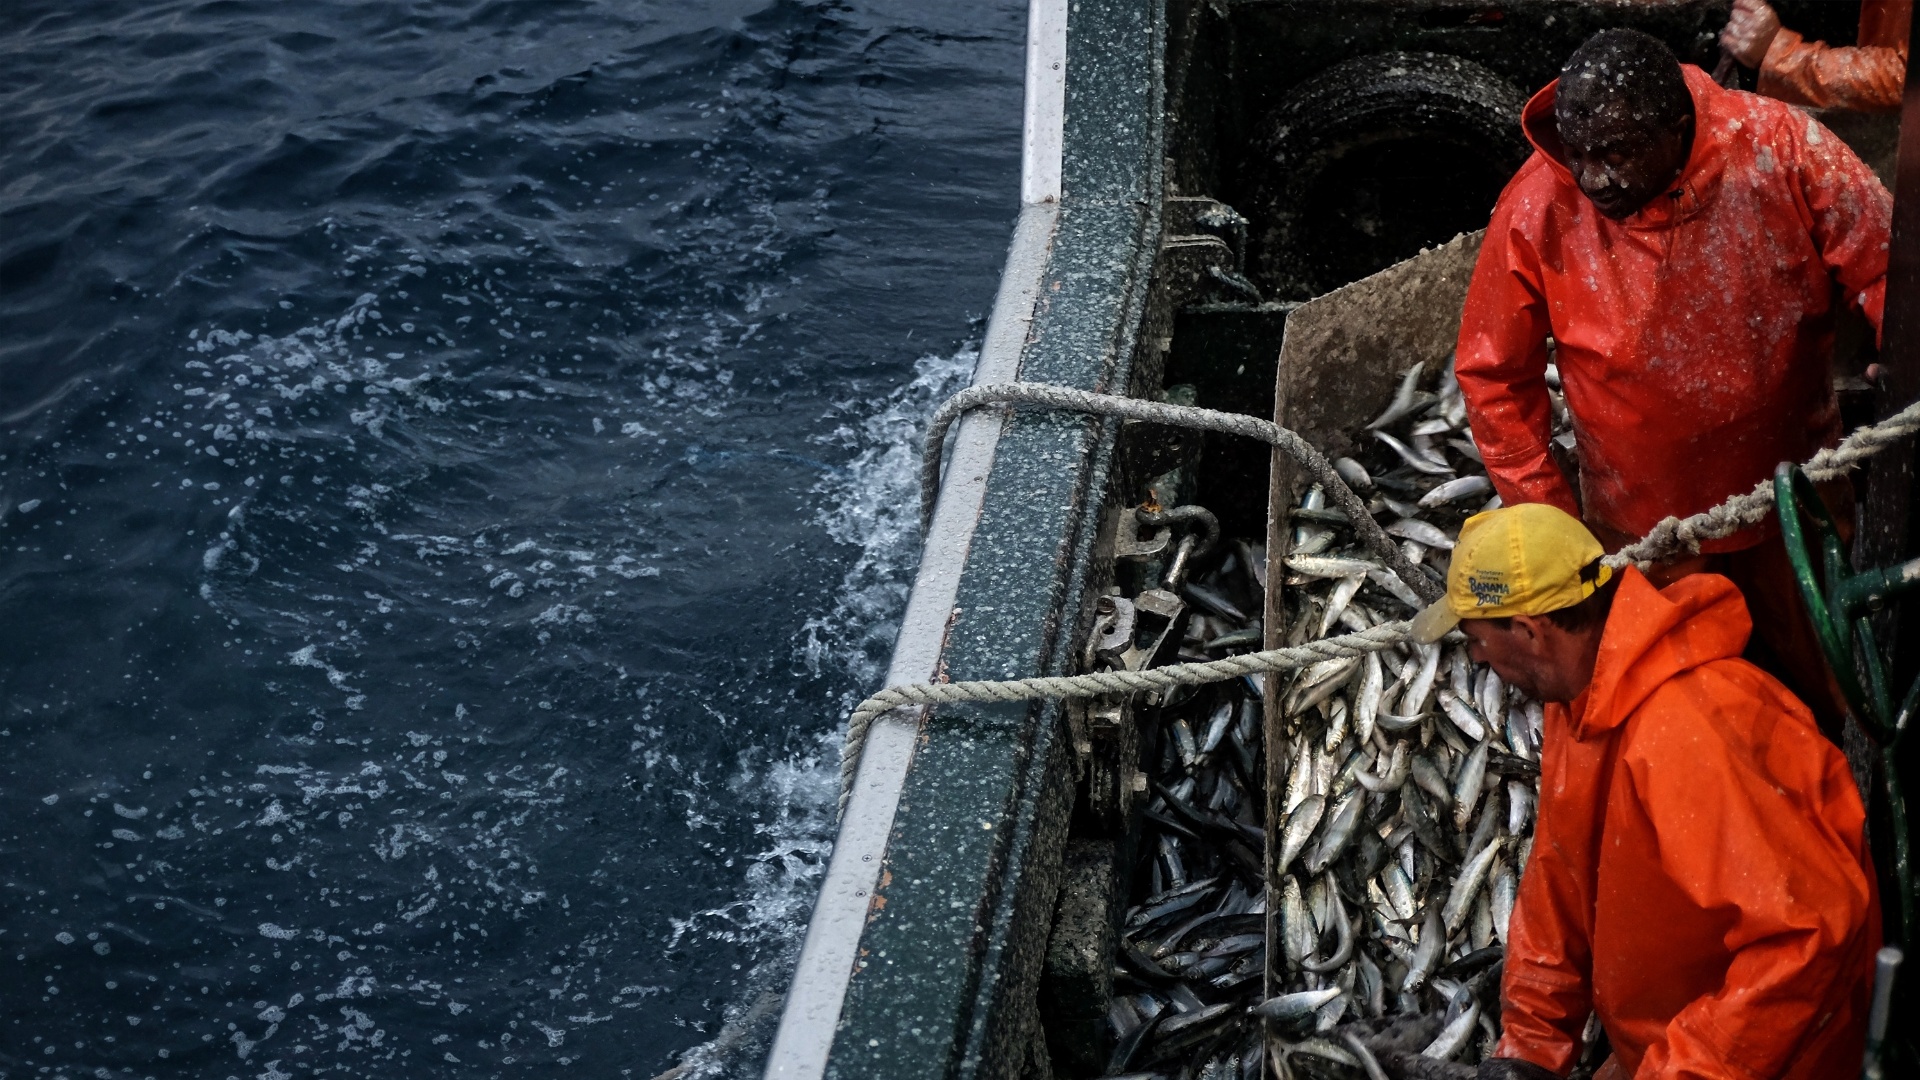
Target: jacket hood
1716, 119
1654, 634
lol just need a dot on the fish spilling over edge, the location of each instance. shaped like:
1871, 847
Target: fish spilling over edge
1407, 820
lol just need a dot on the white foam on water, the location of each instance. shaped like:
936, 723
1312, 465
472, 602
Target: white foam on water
871, 504
874, 504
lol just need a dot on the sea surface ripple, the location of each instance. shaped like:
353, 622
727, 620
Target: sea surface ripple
456, 470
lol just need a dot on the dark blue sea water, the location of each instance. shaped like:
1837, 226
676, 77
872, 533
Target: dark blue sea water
456, 460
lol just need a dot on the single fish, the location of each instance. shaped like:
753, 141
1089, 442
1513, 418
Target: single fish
1400, 509
1354, 473
1217, 727
1183, 741
1519, 806
1399, 767
1396, 588
1467, 450
1462, 715
1420, 687
1337, 601
1453, 1038
1336, 724
1299, 778
1516, 729
1490, 696
1318, 683
1425, 828
1398, 888
1433, 426
1419, 461
1406, 398
1366, 700
1310, 542
1421, 532
1295, 1006
1370, 986
1467, 885
1343, 951
1505, 890
1327, 566
1460, 673
1171, 902
1298, 830
1433, 942
1213, 602
1467, 784
1423, 445
1337, 831
1296, 922
1429, 778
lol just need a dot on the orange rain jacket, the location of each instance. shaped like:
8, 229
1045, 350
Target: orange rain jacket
1867, 77
1699, 874
1694, 338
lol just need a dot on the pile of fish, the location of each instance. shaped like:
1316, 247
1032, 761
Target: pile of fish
1192, 954
1411, 778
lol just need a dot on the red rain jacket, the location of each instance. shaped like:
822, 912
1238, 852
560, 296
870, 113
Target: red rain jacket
1699, 874
1695, 337
1867, 77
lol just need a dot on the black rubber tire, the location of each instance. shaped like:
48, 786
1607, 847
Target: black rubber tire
1374, 159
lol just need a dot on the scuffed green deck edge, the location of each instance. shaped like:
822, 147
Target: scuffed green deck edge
951, 959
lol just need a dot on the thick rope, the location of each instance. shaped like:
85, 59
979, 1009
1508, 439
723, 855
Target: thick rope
1672, 536
1683, 536
1094, 684
1185, 416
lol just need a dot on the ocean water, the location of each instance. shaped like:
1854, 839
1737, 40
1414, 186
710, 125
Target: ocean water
456, 470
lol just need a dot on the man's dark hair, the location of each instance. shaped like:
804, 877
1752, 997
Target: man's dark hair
1589, 612
1623, 75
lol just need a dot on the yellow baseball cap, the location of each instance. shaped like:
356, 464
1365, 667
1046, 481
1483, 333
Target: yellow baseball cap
1527, 559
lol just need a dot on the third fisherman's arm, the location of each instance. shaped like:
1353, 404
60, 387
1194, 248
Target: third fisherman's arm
1822, 76
1502, 367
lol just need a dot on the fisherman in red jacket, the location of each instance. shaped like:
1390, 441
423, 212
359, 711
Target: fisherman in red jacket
1680, 246
1699, 873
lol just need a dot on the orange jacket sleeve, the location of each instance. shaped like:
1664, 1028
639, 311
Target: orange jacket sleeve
1849, 215
1791, 888
1501, 360
1546, 988
1864, 78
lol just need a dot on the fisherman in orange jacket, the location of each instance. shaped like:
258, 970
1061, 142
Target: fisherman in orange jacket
1866, 77
1680, 245
1699, 874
